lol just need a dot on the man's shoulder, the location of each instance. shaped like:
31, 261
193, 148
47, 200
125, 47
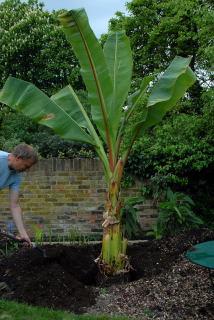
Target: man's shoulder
3, 160
3, 154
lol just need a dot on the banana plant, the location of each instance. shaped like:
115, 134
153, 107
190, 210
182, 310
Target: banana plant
107, 74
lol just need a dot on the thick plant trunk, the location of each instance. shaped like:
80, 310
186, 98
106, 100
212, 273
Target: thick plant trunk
113, 257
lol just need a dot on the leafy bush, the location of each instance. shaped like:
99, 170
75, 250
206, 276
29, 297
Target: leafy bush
130, 221
14, 125
175, 149
176, 214
179, 154
53, 146
8, 145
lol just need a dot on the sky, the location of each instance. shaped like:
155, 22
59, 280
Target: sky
99, 11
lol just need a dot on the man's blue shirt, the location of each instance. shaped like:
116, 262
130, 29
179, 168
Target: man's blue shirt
8, 178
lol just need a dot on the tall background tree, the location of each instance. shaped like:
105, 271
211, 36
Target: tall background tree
30, 38
160, 30
179, 152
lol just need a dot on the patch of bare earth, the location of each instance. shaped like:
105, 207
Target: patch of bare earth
163, 284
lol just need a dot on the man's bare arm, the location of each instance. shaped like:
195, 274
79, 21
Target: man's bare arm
17, 215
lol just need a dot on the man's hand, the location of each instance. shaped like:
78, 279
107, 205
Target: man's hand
24, 240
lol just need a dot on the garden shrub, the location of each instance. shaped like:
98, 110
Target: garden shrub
176, 214
179, 153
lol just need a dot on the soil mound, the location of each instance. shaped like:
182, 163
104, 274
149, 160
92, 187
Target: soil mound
65, 277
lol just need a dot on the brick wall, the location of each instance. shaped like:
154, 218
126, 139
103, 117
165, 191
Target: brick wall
64, 194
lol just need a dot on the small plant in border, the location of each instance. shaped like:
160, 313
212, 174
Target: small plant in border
39, 237
176, 214
155, 232
129, 219
9, 248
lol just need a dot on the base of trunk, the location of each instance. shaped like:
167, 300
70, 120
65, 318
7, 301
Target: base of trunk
119, 278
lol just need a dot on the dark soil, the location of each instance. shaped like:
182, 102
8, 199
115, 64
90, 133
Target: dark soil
162, 285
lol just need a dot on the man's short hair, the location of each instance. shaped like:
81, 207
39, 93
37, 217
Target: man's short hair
24, 151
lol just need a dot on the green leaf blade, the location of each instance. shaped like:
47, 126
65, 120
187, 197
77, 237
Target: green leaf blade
25, 97
93, 66
69, 102
171, 86
118, 55
136, 98
177, 78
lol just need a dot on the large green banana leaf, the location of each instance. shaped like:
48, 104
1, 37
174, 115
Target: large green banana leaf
171, 86
94, 68
118, 55
68, 100
137, 97
70, 103
24, 96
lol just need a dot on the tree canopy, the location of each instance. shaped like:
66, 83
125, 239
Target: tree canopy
160, 30
34, 48
30, 38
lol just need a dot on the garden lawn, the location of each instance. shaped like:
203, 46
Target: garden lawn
10, 310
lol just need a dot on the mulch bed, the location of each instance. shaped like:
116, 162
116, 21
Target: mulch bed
162, 285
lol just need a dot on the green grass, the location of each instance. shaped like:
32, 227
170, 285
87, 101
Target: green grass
10, 310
